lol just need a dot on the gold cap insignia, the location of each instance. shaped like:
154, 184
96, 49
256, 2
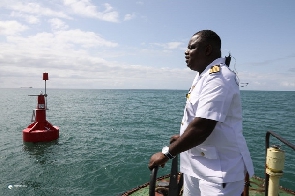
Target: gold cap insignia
214, 69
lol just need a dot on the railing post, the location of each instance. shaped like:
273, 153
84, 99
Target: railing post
267, 136
153, 179
266, 175
173, 187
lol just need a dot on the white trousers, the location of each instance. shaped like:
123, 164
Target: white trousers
197, 187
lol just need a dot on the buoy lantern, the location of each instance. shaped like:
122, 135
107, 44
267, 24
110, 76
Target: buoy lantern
40, 130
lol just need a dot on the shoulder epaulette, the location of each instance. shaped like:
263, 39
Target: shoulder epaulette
214, 69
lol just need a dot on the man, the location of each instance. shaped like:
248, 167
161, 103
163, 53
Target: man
214, 155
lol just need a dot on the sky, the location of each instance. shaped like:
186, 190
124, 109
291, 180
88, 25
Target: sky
140, 44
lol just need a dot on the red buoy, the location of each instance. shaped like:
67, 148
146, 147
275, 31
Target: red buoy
40, 130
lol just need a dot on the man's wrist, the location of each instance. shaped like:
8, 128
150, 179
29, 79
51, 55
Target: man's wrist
166, 152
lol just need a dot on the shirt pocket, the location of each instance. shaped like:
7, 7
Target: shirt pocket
194, 97
191, 102
208, 152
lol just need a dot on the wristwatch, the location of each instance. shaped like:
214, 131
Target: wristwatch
165, 151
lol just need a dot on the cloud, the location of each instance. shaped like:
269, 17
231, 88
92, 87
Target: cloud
288, 84
35, 9
32, 11
87, 9
129, 17
31, 19
267, 81
75, 59
173, 45
64, 51
11, 27
63, 41
84, 39
169, 45
139, 3
85, 73
57, 24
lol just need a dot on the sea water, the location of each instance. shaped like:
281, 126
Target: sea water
107, 137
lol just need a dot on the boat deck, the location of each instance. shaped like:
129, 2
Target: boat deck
256, 188
161, 185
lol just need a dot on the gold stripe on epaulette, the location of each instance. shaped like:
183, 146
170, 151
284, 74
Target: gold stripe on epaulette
189, 92
188, 95
214, 69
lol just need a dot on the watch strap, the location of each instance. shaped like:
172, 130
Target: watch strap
169, 156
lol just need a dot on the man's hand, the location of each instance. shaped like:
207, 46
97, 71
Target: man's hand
158, 159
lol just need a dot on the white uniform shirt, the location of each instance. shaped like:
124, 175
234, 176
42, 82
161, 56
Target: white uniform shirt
224, 155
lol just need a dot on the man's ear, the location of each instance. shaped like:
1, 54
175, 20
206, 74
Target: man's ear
208, 50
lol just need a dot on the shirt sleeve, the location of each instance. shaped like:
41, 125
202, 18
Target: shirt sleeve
214, 99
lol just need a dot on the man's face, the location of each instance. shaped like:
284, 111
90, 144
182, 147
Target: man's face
195, 54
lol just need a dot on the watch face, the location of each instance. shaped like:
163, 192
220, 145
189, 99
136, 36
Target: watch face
165, 150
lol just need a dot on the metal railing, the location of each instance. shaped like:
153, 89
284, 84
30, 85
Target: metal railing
267, 136
174, 185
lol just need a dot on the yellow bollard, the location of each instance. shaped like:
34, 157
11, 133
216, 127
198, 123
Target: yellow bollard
275, 160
